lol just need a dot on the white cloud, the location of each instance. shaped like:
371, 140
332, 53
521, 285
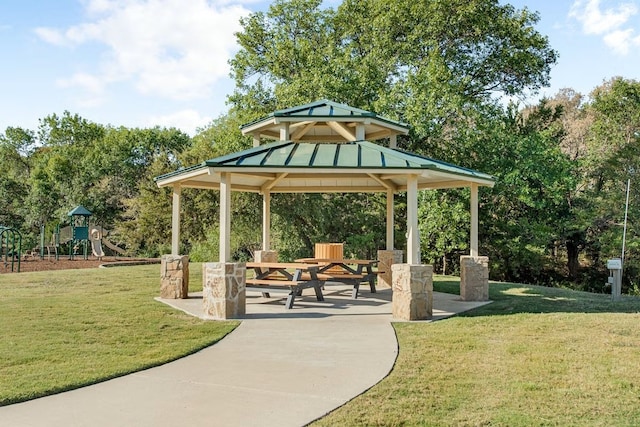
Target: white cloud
174, 49
610, 23
621, 41
596, 21
187, 120
92, 88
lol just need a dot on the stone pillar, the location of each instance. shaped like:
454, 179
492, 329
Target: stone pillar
474, 278
386, 258
223, 290
412, 292
266, 256
174, 277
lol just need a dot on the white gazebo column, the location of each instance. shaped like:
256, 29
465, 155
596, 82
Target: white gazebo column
360, 132
474, 269
393, 141
266, 254
387, 258
256, 139
225, 217
413, 236
223, 282
390, 219
473, 245
266, 220
174, 268
175, 220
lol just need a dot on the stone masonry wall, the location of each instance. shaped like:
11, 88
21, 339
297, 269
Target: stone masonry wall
223, 290
265, 256
174, 277
474, 278
412, 292
385, 260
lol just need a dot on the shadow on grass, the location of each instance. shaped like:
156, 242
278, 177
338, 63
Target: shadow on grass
511, 298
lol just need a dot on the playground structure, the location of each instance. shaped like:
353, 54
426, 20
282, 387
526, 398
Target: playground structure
79, 235
10, 247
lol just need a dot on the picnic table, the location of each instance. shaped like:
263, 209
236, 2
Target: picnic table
350, 271
283, 276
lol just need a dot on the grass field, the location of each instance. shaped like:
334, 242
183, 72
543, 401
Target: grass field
534, 357
65, 329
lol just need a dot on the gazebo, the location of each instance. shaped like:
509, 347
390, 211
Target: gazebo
324, 147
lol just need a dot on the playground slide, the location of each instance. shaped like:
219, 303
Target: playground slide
96, 248
113, 247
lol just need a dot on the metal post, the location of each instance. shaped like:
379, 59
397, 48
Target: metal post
624, 233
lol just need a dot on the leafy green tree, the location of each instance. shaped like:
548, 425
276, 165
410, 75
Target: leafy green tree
612, 157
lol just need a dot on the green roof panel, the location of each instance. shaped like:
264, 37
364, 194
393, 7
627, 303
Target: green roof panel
278, 155
325, 155
303, 155
349, 155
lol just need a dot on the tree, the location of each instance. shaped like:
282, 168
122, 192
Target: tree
427, 63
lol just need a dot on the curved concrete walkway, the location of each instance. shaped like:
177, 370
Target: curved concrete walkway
278, 368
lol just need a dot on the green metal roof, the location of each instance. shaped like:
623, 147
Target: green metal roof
340, 156
324, 109
80, 211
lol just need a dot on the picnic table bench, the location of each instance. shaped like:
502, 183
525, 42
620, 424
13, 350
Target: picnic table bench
287, 277
349, 271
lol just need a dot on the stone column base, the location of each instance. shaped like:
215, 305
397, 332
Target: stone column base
223, 290
386, 258
265, 256
412, 292
474, 278
174, 277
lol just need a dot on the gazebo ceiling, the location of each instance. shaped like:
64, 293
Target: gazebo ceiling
290, 167
325, 121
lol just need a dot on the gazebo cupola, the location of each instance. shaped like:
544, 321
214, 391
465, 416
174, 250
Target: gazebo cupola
324, 121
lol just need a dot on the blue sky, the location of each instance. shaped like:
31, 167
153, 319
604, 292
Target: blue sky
141, 63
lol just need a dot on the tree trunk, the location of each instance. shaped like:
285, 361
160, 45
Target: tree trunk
573, 264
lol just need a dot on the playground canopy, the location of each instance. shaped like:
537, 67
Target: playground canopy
324, 147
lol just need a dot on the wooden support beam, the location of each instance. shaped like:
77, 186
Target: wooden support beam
269, 185
389, 185
299, 133
342, 130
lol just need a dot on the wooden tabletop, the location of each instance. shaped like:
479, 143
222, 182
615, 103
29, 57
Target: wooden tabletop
336, 261
283, 265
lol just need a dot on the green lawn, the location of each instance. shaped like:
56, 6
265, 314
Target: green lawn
534, 357
66, 329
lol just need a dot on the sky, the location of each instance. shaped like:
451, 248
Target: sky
145, 63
